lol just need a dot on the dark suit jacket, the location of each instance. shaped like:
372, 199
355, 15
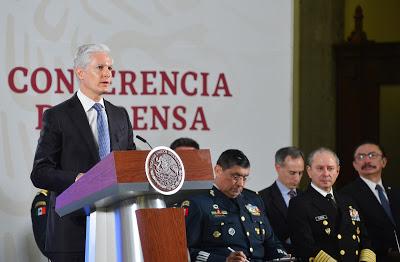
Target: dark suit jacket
67, 147
276, 210
379, 226
316, 225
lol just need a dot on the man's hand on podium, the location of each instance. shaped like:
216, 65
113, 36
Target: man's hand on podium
79, 176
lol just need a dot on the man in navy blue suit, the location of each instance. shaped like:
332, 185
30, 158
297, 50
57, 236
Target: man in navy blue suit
380, 208
76, 134
228, 223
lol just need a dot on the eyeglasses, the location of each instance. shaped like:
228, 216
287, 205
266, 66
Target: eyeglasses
370, 155
237, 177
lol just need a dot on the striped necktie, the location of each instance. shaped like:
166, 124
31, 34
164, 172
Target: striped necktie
102, 131
292, 193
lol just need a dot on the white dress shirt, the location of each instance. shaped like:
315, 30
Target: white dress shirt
91, 113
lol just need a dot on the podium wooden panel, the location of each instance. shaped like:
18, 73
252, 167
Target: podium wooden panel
120, 205
170, 242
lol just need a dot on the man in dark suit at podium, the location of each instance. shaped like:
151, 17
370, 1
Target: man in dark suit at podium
76, 135
228, 223
379, 203
289, 164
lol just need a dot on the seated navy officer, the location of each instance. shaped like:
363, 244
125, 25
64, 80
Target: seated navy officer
228, 223
325, 225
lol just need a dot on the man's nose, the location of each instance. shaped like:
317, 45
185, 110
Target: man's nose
325, 172
240, 181
107, 72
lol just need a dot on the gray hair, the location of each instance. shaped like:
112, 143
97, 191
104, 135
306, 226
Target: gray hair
311, 156
284, 152
82, 56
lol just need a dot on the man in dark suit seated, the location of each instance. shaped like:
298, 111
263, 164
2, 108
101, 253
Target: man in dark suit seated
76, 135
324, 224
289, 164
228, 223
379, 203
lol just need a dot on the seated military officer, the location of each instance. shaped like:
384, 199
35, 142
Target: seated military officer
324, 224
228, 223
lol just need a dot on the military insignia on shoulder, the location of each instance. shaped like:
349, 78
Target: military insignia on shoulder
253, 210
354, 214
40, 203
212, 192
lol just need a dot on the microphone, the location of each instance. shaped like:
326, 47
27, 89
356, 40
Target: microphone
397, 241
143, 140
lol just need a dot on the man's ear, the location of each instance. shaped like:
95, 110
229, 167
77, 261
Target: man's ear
217, 170
277, 167
384, 162
79, 73
308, 171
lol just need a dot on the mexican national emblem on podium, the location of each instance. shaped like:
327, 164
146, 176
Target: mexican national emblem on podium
164, 170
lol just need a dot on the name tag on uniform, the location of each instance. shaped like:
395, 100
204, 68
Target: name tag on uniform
321, 217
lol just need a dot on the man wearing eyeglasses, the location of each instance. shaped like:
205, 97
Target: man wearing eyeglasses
379, 203
229, 223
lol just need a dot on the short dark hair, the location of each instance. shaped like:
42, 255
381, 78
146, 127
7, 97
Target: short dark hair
231, 158
369, 142
284, 152
184, 141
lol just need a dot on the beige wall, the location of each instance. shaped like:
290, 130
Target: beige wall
381, 19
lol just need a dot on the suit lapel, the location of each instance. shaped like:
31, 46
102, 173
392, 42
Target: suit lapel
79, 119
370, 198
343, 212
113, 126
278, 201
394, 204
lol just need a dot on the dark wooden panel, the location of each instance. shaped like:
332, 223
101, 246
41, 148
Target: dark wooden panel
360, 71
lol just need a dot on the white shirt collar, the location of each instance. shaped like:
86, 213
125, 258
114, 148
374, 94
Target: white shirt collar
372, 184
322, 192
86, 102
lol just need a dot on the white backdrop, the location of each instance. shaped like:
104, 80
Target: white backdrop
240, 51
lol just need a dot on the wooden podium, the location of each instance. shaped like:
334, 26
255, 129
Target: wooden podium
126, 218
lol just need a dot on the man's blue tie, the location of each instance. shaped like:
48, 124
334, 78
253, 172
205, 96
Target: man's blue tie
102, 131
384, 202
